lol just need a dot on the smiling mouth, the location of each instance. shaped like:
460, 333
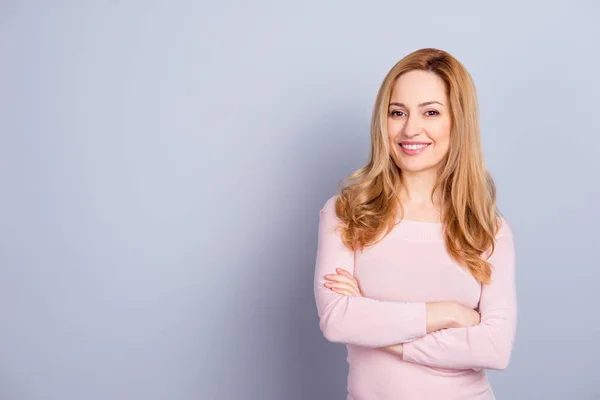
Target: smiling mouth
414, 146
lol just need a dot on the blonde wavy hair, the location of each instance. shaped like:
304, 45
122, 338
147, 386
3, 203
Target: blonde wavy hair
368, 200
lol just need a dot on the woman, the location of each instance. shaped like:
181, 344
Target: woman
415, 267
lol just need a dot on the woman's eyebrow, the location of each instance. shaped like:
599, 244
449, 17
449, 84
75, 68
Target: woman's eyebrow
420, 105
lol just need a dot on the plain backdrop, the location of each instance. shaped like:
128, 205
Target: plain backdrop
163, 163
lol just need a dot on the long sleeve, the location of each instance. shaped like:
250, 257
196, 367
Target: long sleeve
489, 344
357, 320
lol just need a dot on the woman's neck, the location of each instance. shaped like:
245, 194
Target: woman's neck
416, 189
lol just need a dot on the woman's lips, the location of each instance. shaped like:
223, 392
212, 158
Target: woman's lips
413, 149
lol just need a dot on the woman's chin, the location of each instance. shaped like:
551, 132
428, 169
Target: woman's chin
419, 166
416, 168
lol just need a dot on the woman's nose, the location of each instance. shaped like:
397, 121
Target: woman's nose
412, 127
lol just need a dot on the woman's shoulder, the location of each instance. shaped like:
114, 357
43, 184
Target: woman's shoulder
329, 205
504, 228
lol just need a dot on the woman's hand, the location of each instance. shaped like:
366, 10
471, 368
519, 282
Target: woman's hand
450, 314
464, 316
343, 283
346, 284
395, 349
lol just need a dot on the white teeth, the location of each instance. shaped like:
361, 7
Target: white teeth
413, 146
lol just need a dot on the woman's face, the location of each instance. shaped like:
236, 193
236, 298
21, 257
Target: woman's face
419, 122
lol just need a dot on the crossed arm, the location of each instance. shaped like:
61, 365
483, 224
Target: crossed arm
445, 334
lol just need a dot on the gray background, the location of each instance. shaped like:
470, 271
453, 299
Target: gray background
163, 165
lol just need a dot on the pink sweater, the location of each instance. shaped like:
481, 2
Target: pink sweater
408, 268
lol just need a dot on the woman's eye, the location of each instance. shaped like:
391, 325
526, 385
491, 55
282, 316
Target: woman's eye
431, 111
396, 113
